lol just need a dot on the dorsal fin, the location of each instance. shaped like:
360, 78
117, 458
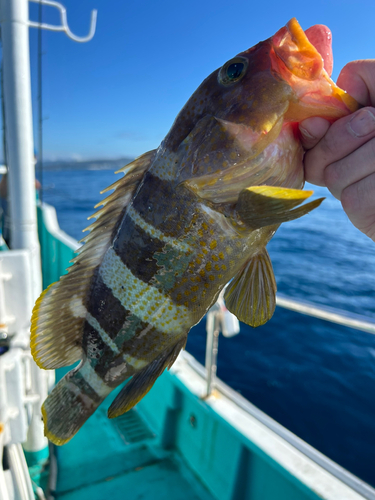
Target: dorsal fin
59, 313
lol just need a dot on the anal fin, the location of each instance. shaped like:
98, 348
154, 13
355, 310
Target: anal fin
143, 381
261, 206
251, 295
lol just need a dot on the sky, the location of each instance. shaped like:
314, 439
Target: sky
119, 94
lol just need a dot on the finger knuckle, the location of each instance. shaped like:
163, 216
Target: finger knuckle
367, 155
349, 67
328, 147
371, 146
331, 175
359, 198
350, 199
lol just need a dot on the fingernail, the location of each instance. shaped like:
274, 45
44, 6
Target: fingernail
362, 123
306, 134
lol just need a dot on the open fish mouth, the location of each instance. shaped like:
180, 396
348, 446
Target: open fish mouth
305, 61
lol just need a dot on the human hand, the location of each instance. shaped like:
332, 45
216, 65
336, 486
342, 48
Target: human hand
341, 156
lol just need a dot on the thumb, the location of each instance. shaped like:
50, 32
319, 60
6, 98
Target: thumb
312, 130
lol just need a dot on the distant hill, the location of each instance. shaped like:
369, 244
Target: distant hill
108, 164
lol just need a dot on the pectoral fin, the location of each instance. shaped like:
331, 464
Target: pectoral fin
260, 206
143, 381
251, 295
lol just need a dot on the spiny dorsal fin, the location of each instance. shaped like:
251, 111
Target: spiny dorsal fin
251, 295
143, 381
59, 313
261, 206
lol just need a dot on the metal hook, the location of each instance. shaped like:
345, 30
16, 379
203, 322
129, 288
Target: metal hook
64, 22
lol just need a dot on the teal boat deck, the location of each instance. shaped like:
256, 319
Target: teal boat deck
122, 458
172, 445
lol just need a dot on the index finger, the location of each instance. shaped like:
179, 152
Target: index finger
341, 139
358, 79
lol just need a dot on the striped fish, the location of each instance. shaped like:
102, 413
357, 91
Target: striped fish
181, 223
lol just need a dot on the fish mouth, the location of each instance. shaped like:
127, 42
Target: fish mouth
304, 60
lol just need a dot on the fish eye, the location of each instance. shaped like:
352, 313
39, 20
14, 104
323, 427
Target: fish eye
233, 71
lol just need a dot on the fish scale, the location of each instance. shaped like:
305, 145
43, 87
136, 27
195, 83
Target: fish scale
185, 220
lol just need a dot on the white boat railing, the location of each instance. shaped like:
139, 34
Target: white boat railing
325, 313
214, 325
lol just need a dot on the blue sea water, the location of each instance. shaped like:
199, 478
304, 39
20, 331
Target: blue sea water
315, 378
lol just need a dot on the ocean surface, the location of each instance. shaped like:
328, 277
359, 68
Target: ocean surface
315, 378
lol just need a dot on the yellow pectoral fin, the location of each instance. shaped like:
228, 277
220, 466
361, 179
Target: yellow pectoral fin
261, 206
251, 295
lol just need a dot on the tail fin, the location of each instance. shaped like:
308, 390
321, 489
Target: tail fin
71, 403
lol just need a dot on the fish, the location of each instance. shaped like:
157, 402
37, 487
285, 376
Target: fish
185, 220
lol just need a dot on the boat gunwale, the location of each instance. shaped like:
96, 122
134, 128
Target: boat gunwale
336, 470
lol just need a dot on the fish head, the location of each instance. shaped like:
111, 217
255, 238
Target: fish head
240, 127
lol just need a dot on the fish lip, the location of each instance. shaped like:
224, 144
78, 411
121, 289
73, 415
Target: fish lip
293, 48
301, 65
301, 37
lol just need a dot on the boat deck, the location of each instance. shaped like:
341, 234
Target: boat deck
176, 444
122, 458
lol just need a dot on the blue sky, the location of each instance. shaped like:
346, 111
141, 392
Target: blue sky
118, 94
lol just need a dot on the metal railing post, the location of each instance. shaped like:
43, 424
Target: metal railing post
212, 344
14, 19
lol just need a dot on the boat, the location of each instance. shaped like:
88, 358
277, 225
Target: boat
192, 437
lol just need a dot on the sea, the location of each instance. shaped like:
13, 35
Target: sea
313, 377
